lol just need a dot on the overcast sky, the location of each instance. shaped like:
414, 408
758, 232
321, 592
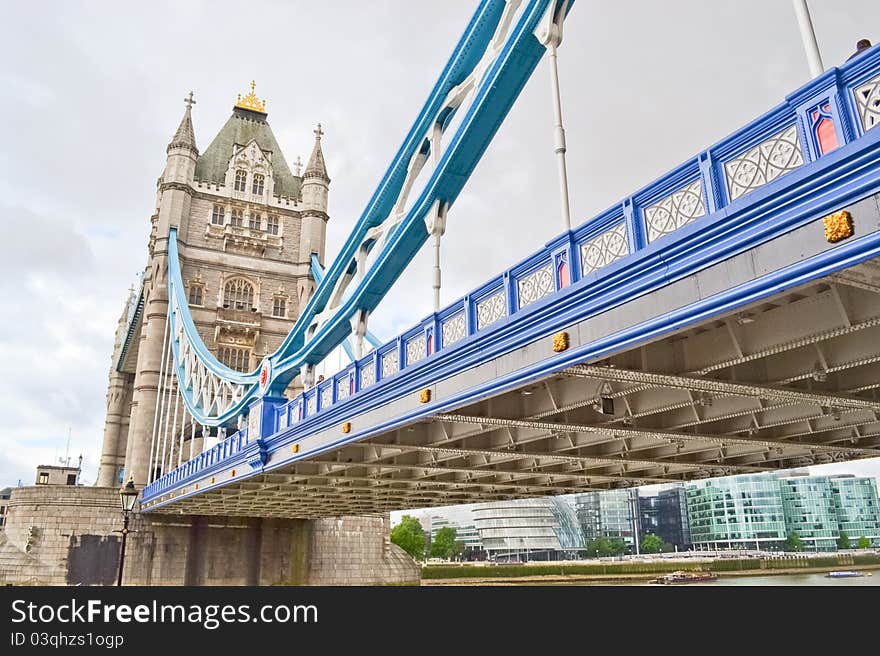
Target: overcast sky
93, 91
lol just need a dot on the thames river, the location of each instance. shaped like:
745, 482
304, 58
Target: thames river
795, 579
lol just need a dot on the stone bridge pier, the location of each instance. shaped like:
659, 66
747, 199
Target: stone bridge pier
60, 535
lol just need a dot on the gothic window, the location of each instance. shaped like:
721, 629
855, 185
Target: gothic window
238, 294
272, 224
279, 306
218, 216
237, 218
235, 358
255, 220
241, 180
44, 478
196, 294
257, 187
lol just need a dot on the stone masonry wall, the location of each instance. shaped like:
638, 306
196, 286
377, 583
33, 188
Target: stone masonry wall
60, 535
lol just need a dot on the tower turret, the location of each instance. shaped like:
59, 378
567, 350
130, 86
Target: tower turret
182, 151
315, 189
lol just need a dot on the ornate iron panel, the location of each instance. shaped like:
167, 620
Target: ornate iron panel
415, 349
368, 375
453, 329
311, 405
327, 397
343, 386
764, 163
536, 285
390, 363
675, 210
604, 249
490, 309
868, 103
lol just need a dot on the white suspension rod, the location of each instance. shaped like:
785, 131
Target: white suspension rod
160, 387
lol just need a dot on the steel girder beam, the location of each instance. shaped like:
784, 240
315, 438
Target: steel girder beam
620, 432
712, 386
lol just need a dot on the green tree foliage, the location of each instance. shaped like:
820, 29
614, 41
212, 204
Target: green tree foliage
602, 547
409, 536
793, 542
444, 543
652, 544
843, 542
864, 543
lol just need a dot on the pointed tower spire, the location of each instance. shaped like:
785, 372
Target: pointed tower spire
185, 137
316, 167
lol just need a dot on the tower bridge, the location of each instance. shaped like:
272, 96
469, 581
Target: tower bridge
722, 319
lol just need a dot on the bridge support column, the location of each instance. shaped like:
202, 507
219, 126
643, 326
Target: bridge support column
45, 544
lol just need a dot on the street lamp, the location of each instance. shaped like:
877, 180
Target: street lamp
127, 497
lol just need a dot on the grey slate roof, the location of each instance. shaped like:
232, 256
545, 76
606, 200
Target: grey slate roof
241, 127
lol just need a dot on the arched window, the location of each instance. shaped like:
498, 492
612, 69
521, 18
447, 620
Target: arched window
235, 358
237, 218
218, 215
257, 186
255, 219
196, 294
240, 180
238, 294
279, 306
272, 224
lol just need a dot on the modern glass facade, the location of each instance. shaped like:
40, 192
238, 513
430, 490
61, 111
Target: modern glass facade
460, 518
857, 508
736, 512
672, 517
527, 529
611, 513
808, 504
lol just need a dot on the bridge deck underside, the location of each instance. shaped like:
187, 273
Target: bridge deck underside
787, 382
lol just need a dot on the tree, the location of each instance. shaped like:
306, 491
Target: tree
444, 544
652, 544
843, 541
603, 547
864, 543
409, 536
793, 542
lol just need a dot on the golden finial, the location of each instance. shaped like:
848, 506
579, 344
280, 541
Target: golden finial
251, 101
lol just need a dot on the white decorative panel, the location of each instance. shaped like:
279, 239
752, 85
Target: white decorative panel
282, 419
311, 405
604, 249
415, 349
327, 397
535, 285
764, 163
343, 387
368, 375
868, 103
390, 363
453, 329
490, 309
675, 210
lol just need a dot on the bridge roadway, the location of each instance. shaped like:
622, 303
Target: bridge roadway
745, 341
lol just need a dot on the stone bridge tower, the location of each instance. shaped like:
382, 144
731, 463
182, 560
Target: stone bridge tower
247, 227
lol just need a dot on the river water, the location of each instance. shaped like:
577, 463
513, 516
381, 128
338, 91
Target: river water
796, 579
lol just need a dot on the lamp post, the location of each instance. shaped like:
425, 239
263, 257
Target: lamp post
127, 497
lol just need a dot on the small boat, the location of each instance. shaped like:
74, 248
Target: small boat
843, 574
681, 577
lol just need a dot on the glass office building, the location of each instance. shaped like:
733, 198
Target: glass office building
857, 508
744, 512
528, 529
461, 519
609, 514
808, 504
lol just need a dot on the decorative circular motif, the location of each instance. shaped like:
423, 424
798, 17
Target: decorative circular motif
265, 375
